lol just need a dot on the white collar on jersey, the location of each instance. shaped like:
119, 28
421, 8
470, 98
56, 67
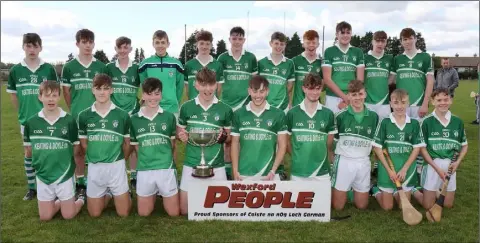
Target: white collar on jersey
40, 63
269, 57
112, 106
42, 115
338, 46
85, 66
205, 64
197, 102
303, 55
371, 53
407, 120
448, 116
249, 108
302, 106
141, 114
130, 63
231, 53
418, 51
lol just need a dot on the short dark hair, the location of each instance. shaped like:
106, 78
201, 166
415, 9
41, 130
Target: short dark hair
102, 79
204, 35
160, 34
237, 30
50, 86
341, 26
85, 34
256, 82
206, 76
151, 84
277, 35
123, 40
32, 38
407, 32
312, 80
440, 91
380, 35
355, 86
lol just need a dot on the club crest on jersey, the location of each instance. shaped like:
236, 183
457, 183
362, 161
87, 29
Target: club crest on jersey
322, 124
64, 130
369, 130
115, 123
354, 59
387, 65
170, 73
44, 79
284, 71
269, 122
164, 126
217, 117
420, 65
318, 70
309, 68
455, 133
246, 65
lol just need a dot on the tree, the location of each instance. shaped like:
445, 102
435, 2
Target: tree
212, 51
475, 55
137, 56
393, 46
420, 42
437, 62
221, 47
141, 56
70, 57
190, 48
114, 58
100, 55
355, 41
294, 46
366, 42
456, 55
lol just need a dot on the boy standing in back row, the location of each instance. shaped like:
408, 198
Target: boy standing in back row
23, 85
77, 79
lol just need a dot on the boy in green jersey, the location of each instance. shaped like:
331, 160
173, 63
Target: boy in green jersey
311, 128
341, 64
23, 86
124, 74
280, 73
351, 169
166, 68
205, 112
77, 76
401, 136
259, 136
377, 71
307, 62
444, 134
52, 137
238, 68
203, 59
153, 136
105, 130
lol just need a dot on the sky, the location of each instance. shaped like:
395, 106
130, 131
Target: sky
448, 27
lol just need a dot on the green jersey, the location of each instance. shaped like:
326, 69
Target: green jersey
355, 138
377, 71
258, 138
302, 67
79, 78
153, 135
399, 142
442, 139
125, 86
195, 117
195, 65
277, 75
412, 75
309, 134
25, 83
170, 71
237, 74
104, 133
52, 146
344, 65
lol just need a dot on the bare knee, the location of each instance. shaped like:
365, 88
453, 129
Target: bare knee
174, 213
387, 206
123, 213
144, 212
46, 217
338, 205
68, 215
361, 205
448, 204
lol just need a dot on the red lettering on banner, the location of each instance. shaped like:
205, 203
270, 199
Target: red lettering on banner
237, 200
305, 199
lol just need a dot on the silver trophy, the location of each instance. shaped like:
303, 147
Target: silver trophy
202, 138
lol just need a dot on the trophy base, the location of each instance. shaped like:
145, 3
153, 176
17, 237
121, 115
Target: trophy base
204, 171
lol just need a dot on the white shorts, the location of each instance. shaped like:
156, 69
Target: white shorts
351, 173
315, 178
187, 178
22, 129
160, 182
63, 191
431, 181
390, 190
259, 178
412, 112
383, 111
107, 176
331, 102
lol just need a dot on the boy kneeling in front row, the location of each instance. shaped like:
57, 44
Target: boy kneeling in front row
52, 137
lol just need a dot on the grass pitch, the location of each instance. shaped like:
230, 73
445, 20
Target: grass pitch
20, 223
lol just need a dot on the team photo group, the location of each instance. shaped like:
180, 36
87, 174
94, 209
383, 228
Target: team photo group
372, 135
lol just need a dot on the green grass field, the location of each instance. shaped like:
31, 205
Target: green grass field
20, 219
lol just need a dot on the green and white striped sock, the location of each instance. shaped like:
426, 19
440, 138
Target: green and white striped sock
30, 172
